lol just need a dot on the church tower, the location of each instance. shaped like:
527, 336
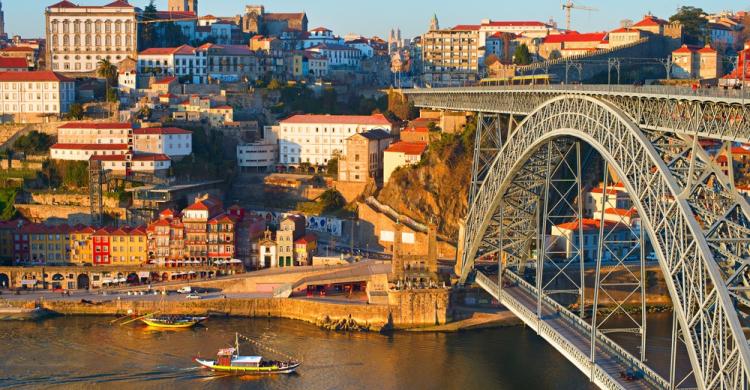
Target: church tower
434, 24
183, 6
3, 34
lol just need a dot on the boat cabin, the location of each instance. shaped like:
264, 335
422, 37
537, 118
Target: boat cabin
224, 357
246, 361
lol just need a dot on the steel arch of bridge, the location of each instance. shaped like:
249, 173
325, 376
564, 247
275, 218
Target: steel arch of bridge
697, 223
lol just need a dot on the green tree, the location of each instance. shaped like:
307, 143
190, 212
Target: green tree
33, 143
76, 111
333, 166
693, 24
147, 34
332, 200
7, 203
50, 174
108, 71
522, 56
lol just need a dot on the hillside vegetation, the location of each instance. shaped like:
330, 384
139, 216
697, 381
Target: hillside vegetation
437, 188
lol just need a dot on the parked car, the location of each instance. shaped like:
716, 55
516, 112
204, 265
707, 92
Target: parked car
193, 296
185, 290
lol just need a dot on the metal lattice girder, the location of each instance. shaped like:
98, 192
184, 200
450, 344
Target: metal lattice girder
488, 141
683, 204
718, 115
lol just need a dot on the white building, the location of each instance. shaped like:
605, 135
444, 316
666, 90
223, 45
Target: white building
78, 36
170, 141
81, 141
261, 154
401, 154
363, 46
315, 139
339, 55
26, 95
617, 198
95, 133
125, 164
183, 61
564, 239
84, 152
320, 36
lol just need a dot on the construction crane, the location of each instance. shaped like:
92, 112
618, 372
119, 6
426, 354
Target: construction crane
569, 6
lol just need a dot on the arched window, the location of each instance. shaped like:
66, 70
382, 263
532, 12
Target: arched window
107, 40
108, 26
88, 40
98, 40
76, 40
65, 40
98, 26
117, 41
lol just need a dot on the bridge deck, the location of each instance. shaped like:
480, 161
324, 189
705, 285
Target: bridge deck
605, 358
571, 336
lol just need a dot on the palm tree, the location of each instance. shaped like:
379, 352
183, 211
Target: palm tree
108, 71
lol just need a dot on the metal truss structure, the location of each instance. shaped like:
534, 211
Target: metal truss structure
695, 221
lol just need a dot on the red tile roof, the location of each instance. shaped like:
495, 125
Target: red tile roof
13, 62
576, 37
184, 49
740, 151
41, 75
90, 146
625, 30
514, 24
17, 48
588, 225
97, 125
410, 148
621, 212
166, 80
372, 120
306, 239
160, 130
134, 157
600, 190
650, 21
467, 27
683, 49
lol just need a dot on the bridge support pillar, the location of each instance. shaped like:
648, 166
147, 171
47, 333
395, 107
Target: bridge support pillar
458, 268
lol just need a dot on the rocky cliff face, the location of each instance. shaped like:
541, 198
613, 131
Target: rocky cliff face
436, 189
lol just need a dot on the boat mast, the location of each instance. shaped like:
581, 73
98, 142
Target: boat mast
237, 343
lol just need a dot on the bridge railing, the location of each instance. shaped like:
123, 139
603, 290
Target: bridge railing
661, 90
585, 327
528, 316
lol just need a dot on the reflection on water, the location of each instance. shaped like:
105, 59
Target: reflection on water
73, 351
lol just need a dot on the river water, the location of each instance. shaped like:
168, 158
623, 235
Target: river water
86, 352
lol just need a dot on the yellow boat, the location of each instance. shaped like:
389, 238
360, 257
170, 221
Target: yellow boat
172, 322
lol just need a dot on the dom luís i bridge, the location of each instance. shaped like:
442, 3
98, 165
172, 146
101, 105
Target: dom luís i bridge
578, 192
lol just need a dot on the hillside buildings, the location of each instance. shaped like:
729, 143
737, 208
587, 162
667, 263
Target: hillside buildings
33, 96
363, 160
79, 36
696, 63
257, 21
315, 139
120, 148
401, 154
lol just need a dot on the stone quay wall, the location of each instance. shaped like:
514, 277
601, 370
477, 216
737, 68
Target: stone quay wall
413, 309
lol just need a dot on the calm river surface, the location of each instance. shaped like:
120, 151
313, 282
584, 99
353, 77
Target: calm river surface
86, 352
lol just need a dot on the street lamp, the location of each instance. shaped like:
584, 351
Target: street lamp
613, 63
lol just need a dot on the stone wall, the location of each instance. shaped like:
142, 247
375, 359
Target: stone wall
71, 215
412, 309
350, 190
71, 200
372, 222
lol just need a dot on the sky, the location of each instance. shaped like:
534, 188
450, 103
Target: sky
370, 18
